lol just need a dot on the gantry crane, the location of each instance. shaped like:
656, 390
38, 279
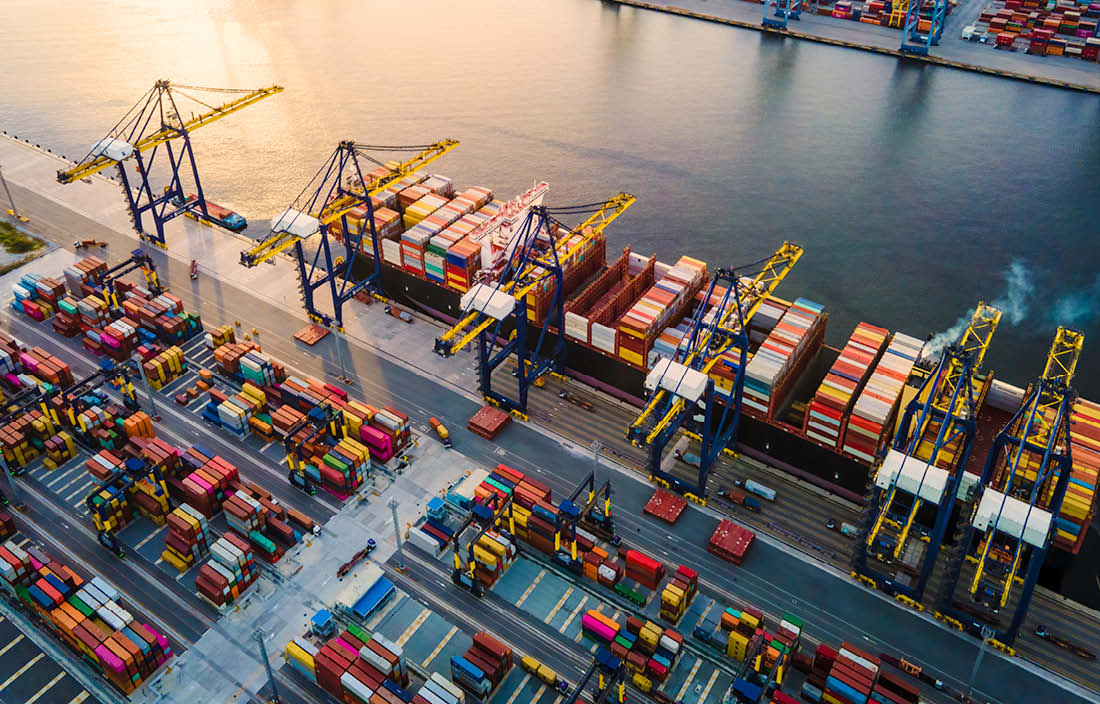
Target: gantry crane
321, 419
913, 40
106, 282
339, 187
755, 679
155, 121
610, 675
1022, 486
488, 308
923, 469
682, 385
778, 12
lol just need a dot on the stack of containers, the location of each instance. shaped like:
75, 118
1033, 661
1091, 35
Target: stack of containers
60, 448
827, 411
870, 420
188, 538
493, 555
45, 367
653, 650
164, 367
851, 677
348, 458
422, 208
232, 569
823, 660
482, 668
243, 513
643, 569
778, 354
657, 308
37, 296
463, 259
437, 690
102, 464
730, 541
91, 618
67, 320
85, 270
1071, 523
112, 509
743, 625
204, 488
678, 593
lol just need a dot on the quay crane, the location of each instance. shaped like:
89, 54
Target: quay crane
1022, 486
924, 468
681, 386
489, 307
339, 188
906, 14
778, 12
155, 121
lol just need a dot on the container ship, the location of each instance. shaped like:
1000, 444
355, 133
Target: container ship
822, 412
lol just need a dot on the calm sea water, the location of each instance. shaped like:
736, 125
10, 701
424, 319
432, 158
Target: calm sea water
912, 189
915, 191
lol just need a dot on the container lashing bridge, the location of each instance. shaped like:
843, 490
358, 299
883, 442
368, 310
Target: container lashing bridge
319, 420
490, 309
681, 386
337, 197
1008, 530
157, 121
778, 12
921, 474
755, 679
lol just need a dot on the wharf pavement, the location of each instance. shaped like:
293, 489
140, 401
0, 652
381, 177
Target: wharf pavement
394, 362
952, 52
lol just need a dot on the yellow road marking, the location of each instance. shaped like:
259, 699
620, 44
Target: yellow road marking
21, 670
46, 687
522, 684
573, 615
710, 683
690, 677
9, 645
450, 634
534, 583
561, 602
79, 698
424, 614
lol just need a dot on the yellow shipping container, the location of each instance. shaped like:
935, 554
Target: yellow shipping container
295, 652
735, 647
485, 557
641, 682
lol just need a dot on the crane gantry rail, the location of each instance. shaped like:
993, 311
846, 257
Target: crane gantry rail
155, 121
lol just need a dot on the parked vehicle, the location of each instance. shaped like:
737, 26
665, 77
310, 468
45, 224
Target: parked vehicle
441, 431
740, 498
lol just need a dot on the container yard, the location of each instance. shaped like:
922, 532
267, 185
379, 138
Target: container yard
330, 521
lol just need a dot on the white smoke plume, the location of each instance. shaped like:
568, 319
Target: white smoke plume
1079, 307
1013, 304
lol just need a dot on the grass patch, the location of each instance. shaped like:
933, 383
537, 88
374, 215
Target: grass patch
15, 242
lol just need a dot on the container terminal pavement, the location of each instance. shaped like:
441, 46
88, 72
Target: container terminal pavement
459, 407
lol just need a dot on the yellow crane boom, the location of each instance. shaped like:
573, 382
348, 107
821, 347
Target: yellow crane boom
279, 241
749, 299
94, 163
590, 228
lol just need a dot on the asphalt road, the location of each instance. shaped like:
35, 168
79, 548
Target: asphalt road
834, 607
28, 675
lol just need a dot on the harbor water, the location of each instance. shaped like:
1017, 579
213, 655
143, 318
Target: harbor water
915, 190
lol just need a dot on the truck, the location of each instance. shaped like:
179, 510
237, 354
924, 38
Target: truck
223, 217
441, 431
740, 498
755, 487
689, 458
544, 673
